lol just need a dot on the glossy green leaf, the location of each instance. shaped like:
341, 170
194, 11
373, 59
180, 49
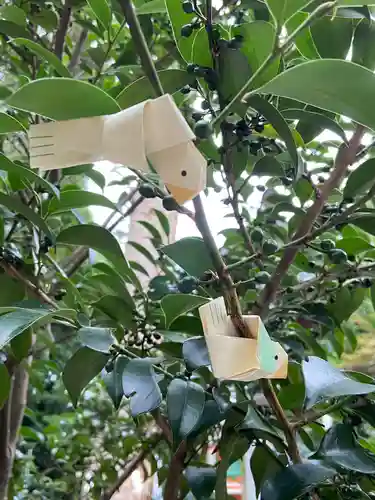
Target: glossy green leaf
185, 404
99, 239
4, 384
256, 53
98, 339
303, 41
45, 54
113, 382
14, 14
361, 179
347, 301
13, 30
172, 80
318, 119
268, 165
21, 344
102, 11
15, 205
366, 222
151, 7
332, 36
178, 18
295, 480
276, 119
177, 304
73, 199
324, 381
190, 254
195, 353
143, 250
234, 72
80, 369
140, 385
338, 86
63, 99
11, 292
9, 124
201, 481
264, 464
364, 44
116, 308
212, 414
339, 448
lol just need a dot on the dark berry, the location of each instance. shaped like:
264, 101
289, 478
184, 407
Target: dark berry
186, 30
205, 105
327, 245
338, 256
196, 116
186, 285
269, 247
190, 68
187, 7
185, 90
169, 203
366, 283
147, 190
259, 128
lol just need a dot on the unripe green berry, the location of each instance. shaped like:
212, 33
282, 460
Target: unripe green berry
202, 129
338, 256
327, 245
269, 247
257, 235
186, 30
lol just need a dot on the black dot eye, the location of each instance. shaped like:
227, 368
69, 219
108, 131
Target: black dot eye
276, 357
183, 173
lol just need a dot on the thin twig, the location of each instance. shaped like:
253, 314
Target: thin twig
62, 29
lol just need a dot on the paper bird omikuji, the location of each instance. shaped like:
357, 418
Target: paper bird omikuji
236, 358
152, 131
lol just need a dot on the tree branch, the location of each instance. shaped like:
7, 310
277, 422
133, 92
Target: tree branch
62, 29
345, 157
131, 466
141, 46
176, 468
76, 55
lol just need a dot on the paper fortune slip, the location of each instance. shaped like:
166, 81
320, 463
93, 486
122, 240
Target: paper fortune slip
236, 358
153, 131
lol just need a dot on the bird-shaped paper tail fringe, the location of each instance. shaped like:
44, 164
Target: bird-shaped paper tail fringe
153, 131
236, 358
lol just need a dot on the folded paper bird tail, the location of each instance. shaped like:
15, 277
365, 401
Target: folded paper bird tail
237, 358
152, 131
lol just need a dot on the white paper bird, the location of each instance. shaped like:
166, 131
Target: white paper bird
237, 358
153, 131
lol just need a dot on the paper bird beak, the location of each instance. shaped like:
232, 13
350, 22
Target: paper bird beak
181, 195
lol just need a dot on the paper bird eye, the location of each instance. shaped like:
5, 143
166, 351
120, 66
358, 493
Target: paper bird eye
276, 357
183, 173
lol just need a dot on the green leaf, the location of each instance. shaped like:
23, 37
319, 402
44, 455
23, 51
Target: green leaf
257, 44
234, 72
353, 246
295, 480
113, 382
346, 303
9, 124
15, 205
172, 80
364, 44
164, 222
21, 344
151, 7
98, 339
191, 254
12, 291
361, 179
332, 36
179, 18
195, 353
4, 92
212, 415
264, 464
26, 174
338, 86
276, 119
4, 384
201, 481
40, 51
13, 30
14, 14
339, 448
303, 41
324, 381
80, 369
140, 385
268, 165
99, 239
102, 11
185, 404
177, 304
73, 199
365, 222
116, 308
143, 250
232, 448
63, 99
317, 119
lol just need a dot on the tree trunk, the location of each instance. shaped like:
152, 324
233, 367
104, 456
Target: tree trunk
11, 416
